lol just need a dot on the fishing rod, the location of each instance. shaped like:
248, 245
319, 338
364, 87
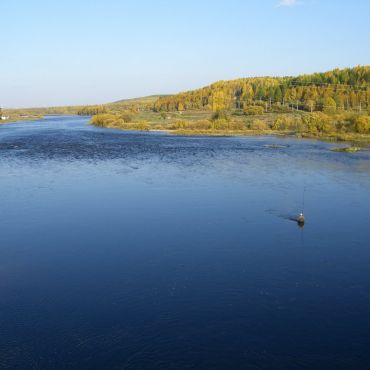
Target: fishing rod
301, 219
303, 198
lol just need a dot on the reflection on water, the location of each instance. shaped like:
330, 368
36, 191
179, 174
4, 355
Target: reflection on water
128, 250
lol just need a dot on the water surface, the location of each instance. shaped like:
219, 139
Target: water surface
124, 250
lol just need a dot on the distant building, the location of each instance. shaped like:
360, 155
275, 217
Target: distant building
2, 117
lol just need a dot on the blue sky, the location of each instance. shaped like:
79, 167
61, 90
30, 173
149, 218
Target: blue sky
96, 51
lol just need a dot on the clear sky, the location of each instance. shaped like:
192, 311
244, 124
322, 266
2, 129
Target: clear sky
67, 52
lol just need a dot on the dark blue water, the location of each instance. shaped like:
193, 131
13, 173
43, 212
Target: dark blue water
124, 250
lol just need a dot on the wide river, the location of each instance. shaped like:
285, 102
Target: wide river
127, 250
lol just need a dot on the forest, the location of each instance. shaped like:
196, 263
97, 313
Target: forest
346, 89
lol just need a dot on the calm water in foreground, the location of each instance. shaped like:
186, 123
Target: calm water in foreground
127, 250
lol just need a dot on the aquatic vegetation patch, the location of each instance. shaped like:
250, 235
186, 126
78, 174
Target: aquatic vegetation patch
348, 149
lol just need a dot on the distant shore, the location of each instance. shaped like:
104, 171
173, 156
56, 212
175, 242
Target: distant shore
16, 118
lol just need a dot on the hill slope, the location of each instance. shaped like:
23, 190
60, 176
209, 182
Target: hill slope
140, 100
340, 88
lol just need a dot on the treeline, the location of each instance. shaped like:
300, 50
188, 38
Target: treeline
43, 111
91, 110
133, 106
319, 123
314, 124
346, 89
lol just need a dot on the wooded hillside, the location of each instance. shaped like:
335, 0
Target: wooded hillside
345, 89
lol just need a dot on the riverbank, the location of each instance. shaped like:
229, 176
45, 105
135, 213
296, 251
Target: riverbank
342, 127
358, 140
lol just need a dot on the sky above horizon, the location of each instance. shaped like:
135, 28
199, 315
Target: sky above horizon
87, 52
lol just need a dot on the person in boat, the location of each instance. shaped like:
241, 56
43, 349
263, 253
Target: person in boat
300, 219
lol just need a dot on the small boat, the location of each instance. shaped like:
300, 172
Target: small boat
301, 219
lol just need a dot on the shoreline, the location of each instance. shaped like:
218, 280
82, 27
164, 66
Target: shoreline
361, 140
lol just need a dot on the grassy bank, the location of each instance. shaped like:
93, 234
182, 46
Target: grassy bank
345, 127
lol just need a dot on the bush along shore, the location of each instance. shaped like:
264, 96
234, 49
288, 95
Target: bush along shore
344, 126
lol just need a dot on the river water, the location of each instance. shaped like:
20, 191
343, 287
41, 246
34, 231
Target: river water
126, 250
